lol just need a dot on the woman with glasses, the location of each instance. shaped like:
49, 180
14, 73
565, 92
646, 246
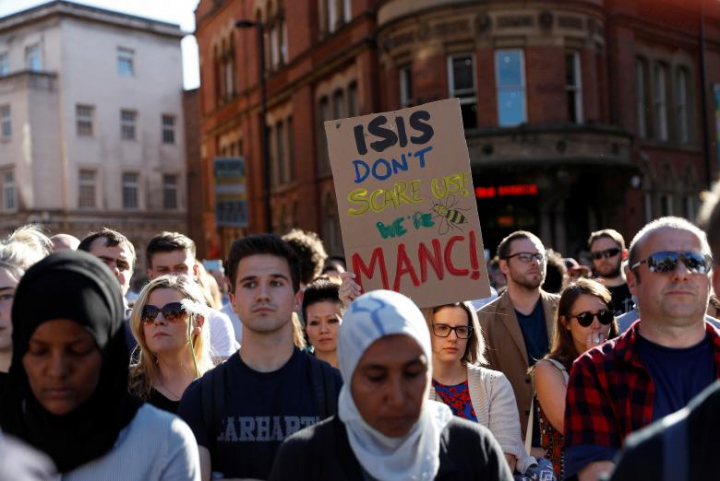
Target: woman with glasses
584, 320
473, 392
67, 388
168, 323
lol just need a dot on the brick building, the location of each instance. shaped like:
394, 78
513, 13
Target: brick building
578, 114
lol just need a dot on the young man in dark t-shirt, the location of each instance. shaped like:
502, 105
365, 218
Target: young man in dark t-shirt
607, 249
271, 389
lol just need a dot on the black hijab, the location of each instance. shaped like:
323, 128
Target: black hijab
76, 286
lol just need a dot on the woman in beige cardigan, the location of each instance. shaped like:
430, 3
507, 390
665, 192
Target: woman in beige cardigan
473, 392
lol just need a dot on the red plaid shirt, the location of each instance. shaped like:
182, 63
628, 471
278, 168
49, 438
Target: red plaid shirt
611, 394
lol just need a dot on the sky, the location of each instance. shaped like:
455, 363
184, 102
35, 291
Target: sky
180, 12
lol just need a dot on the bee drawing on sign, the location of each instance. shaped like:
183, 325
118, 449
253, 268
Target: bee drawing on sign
450, 216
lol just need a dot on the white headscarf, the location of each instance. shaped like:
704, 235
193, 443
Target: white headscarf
416, 455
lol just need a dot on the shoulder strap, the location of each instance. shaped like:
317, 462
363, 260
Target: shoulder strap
213, 404
562, 368
675, 452
323, 382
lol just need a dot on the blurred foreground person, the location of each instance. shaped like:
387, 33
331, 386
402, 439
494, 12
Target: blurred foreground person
322, 311
19, 461
67, 390
168, 321
386, 428
584, 320
64, 242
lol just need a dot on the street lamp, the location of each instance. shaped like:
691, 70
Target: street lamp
244, 24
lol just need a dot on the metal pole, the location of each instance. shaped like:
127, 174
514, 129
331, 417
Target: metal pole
264, 130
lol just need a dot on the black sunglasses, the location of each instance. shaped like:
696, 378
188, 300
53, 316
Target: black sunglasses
443, 330
172, 312
666, 261
606, 253
586, 318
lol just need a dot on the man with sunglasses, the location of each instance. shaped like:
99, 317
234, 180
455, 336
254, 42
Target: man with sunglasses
607, 249
518, 325
655, 368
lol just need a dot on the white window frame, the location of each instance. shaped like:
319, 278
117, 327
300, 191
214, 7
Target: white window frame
33, 57
125, 62
84, 120
274, 46
168, 129
347, 10
5, 122
128, 124
89, 182
576, 89
522, 86
4, 64
406, 98
660, 113
462, 94
681, 104
131, 190
9, 193
332, 15
171, 190
641, 83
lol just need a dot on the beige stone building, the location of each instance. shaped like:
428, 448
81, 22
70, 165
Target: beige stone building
91, 122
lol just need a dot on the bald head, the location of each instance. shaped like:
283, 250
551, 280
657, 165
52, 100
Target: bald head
64, 242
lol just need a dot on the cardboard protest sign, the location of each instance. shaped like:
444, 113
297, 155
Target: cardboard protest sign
407, 205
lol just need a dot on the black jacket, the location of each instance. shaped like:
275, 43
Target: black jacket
322, 452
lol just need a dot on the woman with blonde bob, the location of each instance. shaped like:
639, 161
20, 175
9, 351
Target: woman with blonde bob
471, 391
168, 322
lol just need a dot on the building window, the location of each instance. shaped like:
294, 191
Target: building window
168, 129
274, 46
4, 64
406, 92
323, 114
128, 120
84, 120
660, 101
353, 100
510, 73
170, 192
280, 152
461, 72
33, 60
5, 122
8, 191
689, 207
666, 205
87, 188
681, 105
573, 87
339, 104
130, 190
125, 62
291, 149
642, 92
347, 10
332, 15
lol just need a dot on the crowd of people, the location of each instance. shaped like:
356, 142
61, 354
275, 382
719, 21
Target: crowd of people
277, 366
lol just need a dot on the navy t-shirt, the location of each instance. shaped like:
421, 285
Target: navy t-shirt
261, 410
678, 374
534, 331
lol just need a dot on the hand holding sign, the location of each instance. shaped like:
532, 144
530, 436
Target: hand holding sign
407, 210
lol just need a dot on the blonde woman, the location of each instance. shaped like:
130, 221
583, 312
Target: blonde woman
168, 321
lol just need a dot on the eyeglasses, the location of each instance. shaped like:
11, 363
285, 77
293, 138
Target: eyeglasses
172, 312
527, 256
666, 261
586, 318
443, 330
607, 253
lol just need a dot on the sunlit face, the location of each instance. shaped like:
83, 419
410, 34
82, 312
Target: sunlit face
174, 263
118, 258
390, 383
321, 325
586, 337
8, 283
451, 348
63, 365
529, 275
163, 336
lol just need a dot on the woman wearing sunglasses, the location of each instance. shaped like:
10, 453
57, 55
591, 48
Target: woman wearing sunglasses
584, 320
67, 388
168, 323
473, 392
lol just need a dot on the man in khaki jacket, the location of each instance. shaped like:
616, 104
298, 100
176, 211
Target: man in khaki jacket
518, 326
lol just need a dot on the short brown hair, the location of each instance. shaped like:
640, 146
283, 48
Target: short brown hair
475, 349
112, 239
168, 242
563, 349
269, 244
609, 233
505, 246
310, 251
